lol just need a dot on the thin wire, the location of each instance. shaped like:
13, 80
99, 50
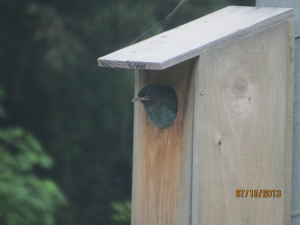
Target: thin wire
167, 18
170, 16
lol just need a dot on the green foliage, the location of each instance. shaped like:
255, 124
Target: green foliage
25, 198
82, 114
123, 211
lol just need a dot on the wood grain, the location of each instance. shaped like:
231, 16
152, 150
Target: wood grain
295, 4
295, 206
242, 131
289, 122
163, 157
197, 37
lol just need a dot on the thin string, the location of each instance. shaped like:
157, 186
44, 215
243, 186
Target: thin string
167, 19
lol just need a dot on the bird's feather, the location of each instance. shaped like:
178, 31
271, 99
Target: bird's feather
162, 104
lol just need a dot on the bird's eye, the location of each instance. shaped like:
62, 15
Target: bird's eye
148, 94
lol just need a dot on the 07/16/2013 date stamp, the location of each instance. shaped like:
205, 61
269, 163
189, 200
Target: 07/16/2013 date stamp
242, 193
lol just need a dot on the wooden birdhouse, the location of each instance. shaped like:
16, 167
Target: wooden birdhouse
227, 157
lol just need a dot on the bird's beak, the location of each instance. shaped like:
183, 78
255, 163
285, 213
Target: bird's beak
137, 98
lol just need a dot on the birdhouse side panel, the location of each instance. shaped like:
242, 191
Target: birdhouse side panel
241, 154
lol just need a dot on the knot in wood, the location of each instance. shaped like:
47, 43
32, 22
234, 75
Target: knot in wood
240, 86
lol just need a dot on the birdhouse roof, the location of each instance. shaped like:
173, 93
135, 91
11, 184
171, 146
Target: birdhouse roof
195, 38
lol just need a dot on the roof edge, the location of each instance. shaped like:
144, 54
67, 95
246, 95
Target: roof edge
235, 35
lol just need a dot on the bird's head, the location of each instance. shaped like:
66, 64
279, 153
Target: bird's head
148, 94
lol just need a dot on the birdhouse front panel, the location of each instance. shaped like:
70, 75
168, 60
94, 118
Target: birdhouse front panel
163, 156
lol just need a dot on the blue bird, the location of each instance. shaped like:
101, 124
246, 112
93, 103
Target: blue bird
161, 104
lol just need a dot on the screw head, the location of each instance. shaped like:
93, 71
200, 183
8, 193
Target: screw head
202, 92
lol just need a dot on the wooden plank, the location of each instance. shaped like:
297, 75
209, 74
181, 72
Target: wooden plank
295, 206
295, 4
163, 157
195, 38
289, 122
240, 130
137, 130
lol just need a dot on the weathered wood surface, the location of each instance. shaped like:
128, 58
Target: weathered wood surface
197, 37
242, 131
295, 4
163, 157
289, 123
295, 206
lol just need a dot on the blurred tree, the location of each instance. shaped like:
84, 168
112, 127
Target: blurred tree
25, 198
80, 113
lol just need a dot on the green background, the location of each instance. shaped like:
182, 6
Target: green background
66, 124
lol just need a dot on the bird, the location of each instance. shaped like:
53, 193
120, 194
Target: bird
160, 102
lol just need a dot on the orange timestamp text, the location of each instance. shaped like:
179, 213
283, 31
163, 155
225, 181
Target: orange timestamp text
242, 193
